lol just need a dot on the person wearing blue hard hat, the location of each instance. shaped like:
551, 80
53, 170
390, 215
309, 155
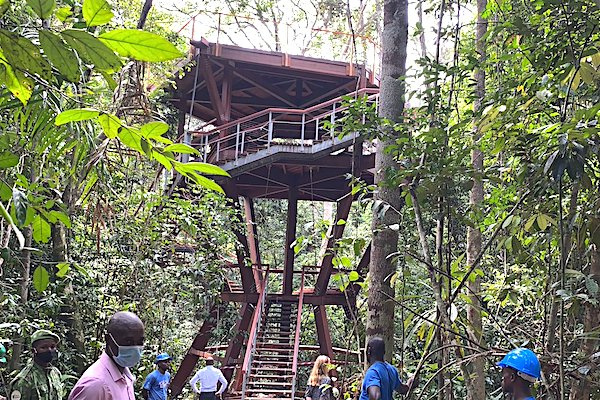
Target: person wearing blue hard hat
520, 369
157, 382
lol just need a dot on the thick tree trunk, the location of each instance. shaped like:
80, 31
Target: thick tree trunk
591, 322
380, 317
476, 391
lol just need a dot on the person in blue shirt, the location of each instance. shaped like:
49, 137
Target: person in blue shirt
157, 382
381, 379
520, 369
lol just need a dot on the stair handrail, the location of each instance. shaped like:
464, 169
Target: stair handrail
297, 335
256, 318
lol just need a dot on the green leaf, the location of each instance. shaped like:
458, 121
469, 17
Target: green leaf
92, 50
4, 5
353, 276
8, 159
63, 268
165, 161
591, 286
530, 222
79, 114
154, 129
19, 85
130, 138
341, 222
14, 227
200, 167
63, 13
5, 191
41, 279
62, 217
22, 54
96, 12
542, 222
204, 182
20, 206
41, 229
43, 8
61, 56
110, 124
140, 45
182, 148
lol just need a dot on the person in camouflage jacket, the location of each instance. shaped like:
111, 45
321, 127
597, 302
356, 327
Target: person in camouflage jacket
39, 380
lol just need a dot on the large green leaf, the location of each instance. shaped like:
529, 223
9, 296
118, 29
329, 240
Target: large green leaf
63, 268
132, 139
182, 148
202, 168
22, 54
4, 5
19, 85
41, 229
111, 125
61, 56
140, 45
43, 8
154, 129
41, 279
8, 159
79, 114
96, 12
92, 50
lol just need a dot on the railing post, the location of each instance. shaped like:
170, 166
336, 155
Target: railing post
237, 141
243, 140
317, 130
206, 149
218, 149
302, 129
270, 136
333, 121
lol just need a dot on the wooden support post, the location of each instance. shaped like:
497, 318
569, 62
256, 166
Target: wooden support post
213, 91
236, 344
290, 236
343, 209
226, 92
191, 358
246, 273
252, 235
325, 344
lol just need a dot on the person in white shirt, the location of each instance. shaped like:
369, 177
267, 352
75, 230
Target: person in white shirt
208, 377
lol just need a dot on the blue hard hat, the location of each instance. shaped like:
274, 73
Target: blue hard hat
524, 361
162, 357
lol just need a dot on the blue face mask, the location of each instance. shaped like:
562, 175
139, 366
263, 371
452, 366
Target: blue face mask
128, 356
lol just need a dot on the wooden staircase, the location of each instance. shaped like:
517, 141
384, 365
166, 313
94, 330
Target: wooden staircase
271, 375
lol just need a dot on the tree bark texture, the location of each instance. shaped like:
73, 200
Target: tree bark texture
582, 389
476, 391
17, 349
380, 315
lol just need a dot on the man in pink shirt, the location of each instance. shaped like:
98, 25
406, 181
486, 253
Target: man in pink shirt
109, 377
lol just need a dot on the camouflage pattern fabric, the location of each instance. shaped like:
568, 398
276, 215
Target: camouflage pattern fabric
37, 383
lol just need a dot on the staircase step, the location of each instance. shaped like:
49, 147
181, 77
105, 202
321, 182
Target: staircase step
270, 391
278, 384
266, 376
273, 363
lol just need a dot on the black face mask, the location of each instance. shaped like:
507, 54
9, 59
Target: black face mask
47, 356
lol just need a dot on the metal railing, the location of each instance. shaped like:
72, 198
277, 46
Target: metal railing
256, 321
297, 335
278, 126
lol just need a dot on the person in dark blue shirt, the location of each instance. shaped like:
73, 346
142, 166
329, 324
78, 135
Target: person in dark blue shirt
520, 370
381, 379
157, 382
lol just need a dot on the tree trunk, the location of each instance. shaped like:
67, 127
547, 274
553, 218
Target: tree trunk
380, 316
17, 349
591, 322
476, 391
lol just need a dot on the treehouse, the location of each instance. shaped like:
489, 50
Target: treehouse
273, 122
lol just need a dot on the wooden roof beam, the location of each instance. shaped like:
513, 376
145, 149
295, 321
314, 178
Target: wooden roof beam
266, 86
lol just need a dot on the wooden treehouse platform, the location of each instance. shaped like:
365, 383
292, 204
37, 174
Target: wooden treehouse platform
274, 122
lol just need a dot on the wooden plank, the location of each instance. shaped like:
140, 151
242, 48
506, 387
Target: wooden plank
252, 238
325, 344
213, 91
290, 236
198, 345
343, 209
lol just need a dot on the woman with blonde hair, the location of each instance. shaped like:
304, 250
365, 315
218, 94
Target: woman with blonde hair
319, 383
